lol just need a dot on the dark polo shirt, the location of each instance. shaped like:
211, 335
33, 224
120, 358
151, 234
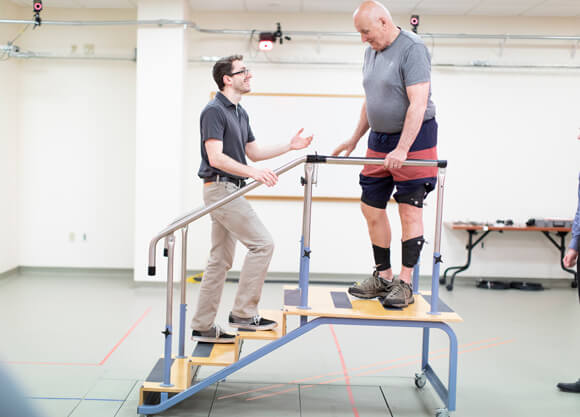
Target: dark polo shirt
223, 120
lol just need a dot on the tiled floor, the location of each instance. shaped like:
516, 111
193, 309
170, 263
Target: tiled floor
80, 344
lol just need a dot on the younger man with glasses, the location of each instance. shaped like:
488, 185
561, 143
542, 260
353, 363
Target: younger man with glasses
226, 139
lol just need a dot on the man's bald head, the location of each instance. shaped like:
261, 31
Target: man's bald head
375, 25
372, 9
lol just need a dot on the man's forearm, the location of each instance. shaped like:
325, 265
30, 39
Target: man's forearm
231, 166
262, 154
363, 123
412, 125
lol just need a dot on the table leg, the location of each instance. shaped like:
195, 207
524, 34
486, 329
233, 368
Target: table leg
470, 245
562, 248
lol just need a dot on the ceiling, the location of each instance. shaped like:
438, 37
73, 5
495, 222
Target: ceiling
564, 8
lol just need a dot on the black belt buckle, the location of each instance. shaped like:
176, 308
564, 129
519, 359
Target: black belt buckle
222, 178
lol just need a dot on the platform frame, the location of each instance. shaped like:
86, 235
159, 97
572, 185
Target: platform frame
446, 394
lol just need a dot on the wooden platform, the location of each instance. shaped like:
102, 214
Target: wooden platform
182, 372
276, 333
224, 354
321, 304
220, 354
324, 301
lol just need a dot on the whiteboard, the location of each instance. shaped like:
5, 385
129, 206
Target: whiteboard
276, 117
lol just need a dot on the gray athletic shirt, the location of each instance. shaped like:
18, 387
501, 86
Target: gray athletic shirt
387, 73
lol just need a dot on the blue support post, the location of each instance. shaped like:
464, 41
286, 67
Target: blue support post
416, 270
435, 283
304, 275
425, 352
167, 358
168, 332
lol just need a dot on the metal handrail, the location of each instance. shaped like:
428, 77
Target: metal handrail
186, 219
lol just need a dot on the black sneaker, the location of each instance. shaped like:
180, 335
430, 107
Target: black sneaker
213, 335
252, 323
400, 296
371, 287
571, 387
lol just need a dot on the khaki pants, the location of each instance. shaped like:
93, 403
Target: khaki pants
232, 222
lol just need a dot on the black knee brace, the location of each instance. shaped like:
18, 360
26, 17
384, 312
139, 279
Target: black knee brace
411, 250
382, 258
414, 198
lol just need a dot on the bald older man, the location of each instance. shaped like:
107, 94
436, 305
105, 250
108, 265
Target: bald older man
401, 116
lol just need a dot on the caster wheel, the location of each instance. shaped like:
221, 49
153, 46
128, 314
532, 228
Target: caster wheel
574, 284
442, 280
441, 412
449, 287
420, 380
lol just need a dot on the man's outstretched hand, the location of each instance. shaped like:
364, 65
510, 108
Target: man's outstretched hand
300, 142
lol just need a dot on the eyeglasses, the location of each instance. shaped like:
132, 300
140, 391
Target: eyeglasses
244, 71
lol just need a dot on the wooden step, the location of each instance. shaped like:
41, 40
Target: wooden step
216, 354
276, 333
326, 301
182, 373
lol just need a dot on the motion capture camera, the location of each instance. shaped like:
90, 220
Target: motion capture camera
414, 22
268, 39
37, 8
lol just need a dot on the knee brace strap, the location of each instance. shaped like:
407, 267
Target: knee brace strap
412, 250
414, 198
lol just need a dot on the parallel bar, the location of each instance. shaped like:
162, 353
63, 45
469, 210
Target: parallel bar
169, 312
437, 244
439, 213
338, 160
192, 216
183, 305
306, 224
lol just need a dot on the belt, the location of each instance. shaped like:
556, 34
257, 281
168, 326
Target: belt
221, 178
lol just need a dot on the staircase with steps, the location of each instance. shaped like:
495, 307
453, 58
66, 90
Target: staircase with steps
184, 370
324, 301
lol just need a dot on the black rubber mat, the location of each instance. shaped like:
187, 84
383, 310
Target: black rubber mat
292, 297
340, 299
441, 306
156, 374
202, 350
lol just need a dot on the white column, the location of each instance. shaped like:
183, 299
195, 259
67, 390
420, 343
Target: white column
161, 71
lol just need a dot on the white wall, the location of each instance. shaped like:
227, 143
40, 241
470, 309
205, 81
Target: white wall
9, 154
509, 136
77, 146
